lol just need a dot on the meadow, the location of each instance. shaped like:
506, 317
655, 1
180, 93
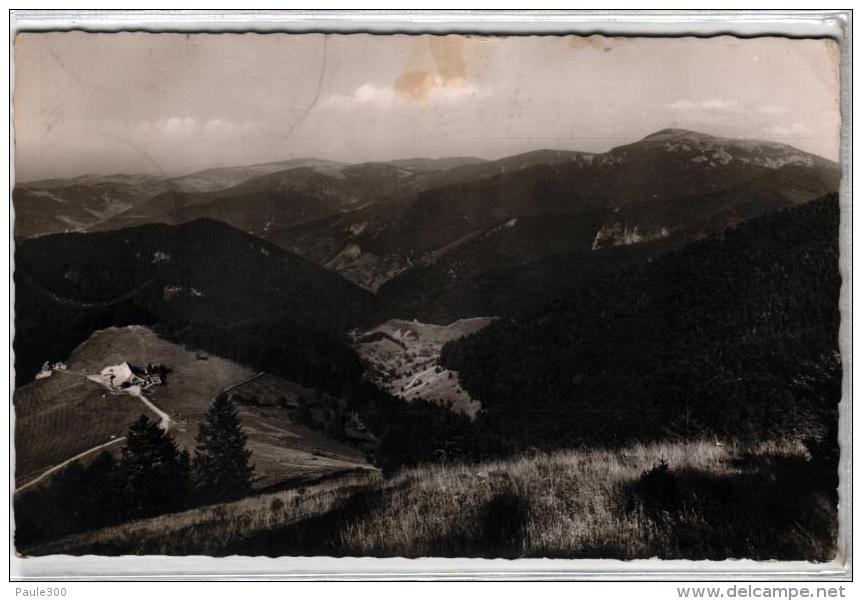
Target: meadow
66, 414
696, 500
63, 415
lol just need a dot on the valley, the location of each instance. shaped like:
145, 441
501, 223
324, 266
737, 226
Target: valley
404, 359
380, 329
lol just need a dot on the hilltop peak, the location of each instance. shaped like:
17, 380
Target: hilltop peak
711, 150
670, 133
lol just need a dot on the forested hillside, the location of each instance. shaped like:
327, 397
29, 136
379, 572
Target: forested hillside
733, 336
203, 283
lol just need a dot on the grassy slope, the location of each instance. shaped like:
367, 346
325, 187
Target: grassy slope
76, 414
59, 417
191, 384
762, 501
286, 452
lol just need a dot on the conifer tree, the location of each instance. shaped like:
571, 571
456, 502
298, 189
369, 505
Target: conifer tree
155, 475
221, 466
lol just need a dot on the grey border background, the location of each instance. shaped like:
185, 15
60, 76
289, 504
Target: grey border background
835, 24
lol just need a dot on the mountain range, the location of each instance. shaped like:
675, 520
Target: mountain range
678, 292
373, 222
275, 265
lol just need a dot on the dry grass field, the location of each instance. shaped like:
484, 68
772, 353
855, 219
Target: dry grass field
211, 530
675, 500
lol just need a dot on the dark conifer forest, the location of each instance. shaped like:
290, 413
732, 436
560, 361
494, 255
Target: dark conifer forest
732, 336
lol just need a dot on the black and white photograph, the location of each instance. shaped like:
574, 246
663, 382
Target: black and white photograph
286, 294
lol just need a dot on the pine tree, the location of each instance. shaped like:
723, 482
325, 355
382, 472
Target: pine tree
154, 473
221, 466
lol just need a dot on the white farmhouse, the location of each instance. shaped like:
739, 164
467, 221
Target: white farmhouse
121, 376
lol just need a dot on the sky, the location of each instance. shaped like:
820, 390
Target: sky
168, 104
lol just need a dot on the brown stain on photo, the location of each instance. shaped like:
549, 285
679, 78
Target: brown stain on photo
592, 42
415, 85
448, 54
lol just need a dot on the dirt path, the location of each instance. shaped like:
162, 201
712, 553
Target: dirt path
230, 387
135, 391
60, 466
165, 422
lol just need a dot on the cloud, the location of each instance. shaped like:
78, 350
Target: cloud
368, 94
176, 127
219, 128
183, 128
225, 128
412, 89
448, 85
793, 129
720, 105
680, 105
712, 104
